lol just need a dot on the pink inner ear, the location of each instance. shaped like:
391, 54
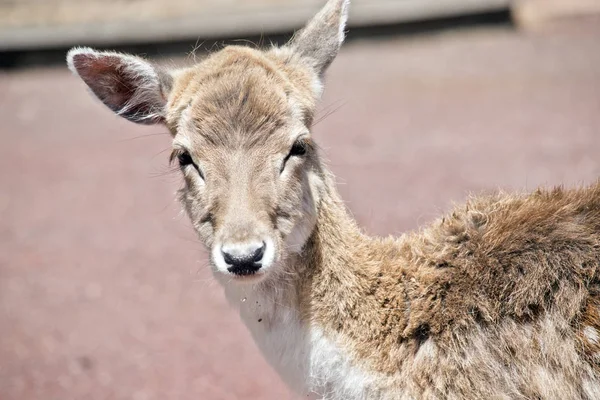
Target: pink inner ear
108, 78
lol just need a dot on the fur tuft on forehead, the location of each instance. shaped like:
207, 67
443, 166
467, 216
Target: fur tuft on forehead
240, 96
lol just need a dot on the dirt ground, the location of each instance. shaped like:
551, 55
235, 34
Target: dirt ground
105, 292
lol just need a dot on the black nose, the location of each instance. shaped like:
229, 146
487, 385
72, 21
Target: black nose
245, 260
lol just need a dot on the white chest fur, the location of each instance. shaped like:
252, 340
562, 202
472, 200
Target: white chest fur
277, 331
310, 363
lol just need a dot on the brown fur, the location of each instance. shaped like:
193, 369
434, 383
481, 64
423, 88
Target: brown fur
498, 261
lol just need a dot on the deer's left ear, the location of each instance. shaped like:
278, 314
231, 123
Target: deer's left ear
130, 86
320, 40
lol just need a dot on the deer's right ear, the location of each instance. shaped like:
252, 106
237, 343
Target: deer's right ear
130, 86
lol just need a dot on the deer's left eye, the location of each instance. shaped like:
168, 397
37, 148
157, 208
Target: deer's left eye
298, 149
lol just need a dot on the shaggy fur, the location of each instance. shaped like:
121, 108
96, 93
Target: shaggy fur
500, 299
497, 300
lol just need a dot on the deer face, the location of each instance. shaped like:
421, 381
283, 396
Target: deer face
249, 163
240, 122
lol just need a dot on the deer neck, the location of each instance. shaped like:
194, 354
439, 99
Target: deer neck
285, 315
331, 256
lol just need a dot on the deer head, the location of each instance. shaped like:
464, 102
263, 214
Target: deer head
240, 121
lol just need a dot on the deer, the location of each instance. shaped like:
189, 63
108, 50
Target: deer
497, 299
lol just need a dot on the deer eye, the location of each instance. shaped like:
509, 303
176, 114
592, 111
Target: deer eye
185, 159
298, 150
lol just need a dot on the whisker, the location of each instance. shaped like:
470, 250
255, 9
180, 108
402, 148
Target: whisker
168, 149
143, 137
208, 282
328, 107
170, 171
328, 114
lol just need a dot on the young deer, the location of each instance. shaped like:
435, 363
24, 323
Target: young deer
500, 299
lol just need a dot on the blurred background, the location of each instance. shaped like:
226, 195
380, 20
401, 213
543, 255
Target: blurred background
105, 292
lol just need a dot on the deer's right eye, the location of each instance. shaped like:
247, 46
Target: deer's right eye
185, 159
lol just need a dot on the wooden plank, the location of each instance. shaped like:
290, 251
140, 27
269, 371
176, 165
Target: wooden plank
27, 24
537, 14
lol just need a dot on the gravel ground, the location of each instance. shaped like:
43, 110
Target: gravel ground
104, 291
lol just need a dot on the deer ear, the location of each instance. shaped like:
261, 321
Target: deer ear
320, 40
130, 86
